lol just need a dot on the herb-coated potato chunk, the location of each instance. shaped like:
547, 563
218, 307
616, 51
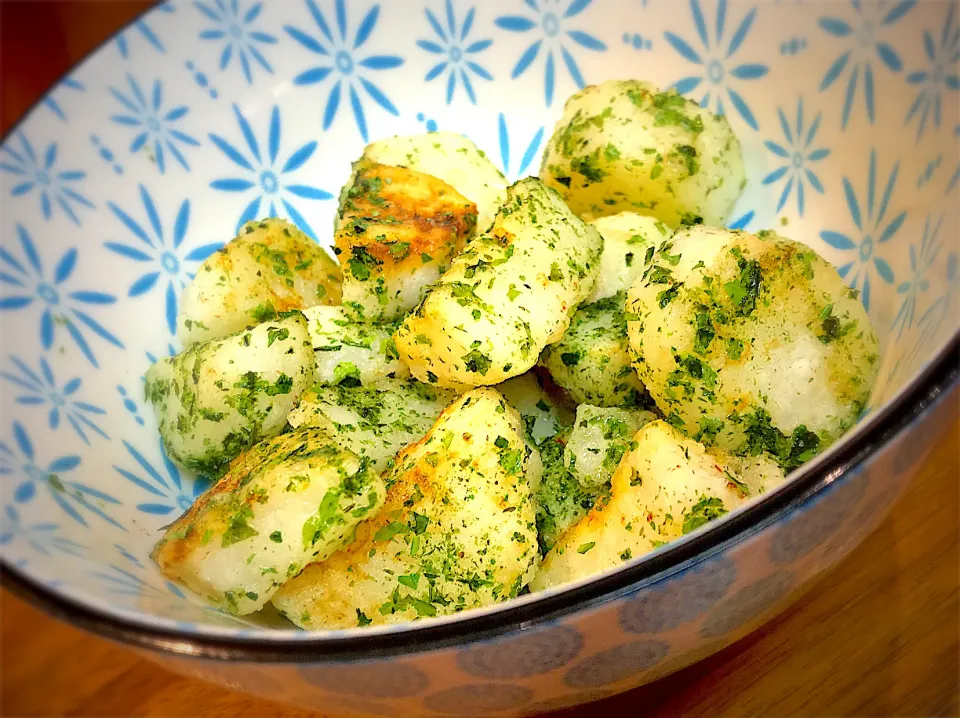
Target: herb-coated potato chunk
289, 500
598, 440
666, 487
352, 351
457, 530
373, 421
397, 232
625, 146
269, 268
626, 238
561, 499
449, 157
592, 361
218, 398
751, 343
509, 294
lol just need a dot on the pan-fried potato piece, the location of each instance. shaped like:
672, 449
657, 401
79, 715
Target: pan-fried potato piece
561, 499
625, 146
271, 267
398, 230
373, 421
666, 487
349, 350
457, 530
599, 439
508, 295
216, 399
626, 238
751, 342
289, 500
592, 361
449, 157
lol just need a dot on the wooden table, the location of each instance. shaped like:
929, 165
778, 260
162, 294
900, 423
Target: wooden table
879, 636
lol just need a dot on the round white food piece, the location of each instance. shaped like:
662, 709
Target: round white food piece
751, 342
216, 399
457, 530
287, 501
452, 158
599, 439
270, 267
592, 362
626, 238
625, 146
509, 294
667, 486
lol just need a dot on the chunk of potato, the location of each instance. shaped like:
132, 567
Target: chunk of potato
352, 350
373, 421
592, 361
625, 146
561, 499
398, 231
506, 297
751, 342
216, 399
666, 487
289, 500
457, 530
269, 268
452, 158
598, 440
626, 238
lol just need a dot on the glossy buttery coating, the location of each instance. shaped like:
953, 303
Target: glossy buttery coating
289, 500
457, 530
509, 294
625, 146
450, 157
348, 347
217, 399
269, 268
667, 486
374, 421
751, 342
397, 233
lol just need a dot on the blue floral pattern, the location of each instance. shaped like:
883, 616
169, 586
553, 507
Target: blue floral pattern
873, 229
156, 128
861, 35
170, 491
28, 286
55, 188
234, 27
160, 256
715, 59
922, 258
800, 152
40, 388
264, 177
44, 538
143, 29
934, 81
51, 101
68, 495
459, 59
528, 155
551, 21
340, 49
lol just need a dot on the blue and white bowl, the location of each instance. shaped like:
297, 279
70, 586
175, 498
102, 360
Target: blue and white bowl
202, 115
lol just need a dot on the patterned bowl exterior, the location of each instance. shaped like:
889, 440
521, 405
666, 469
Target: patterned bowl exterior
202, 115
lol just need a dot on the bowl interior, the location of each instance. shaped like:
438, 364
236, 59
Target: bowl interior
200, 116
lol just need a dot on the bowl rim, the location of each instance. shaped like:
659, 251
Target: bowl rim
938, 378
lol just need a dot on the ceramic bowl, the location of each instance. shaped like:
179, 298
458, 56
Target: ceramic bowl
202, 115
